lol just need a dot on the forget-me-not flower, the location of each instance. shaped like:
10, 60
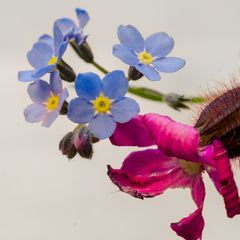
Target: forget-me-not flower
47, 100
147, 56
102, 103
44, 56
70, 30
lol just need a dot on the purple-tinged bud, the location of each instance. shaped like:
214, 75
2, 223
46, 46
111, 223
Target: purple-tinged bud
82, 140
134, 74
67, 147
221, 120
79, 141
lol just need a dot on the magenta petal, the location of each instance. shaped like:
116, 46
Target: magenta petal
191, 227
132, 133
198, 190
228, 186
148, 173
175, 139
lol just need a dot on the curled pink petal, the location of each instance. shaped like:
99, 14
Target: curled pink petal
148, 173
132, 133
191, 227
176, 139
228, 186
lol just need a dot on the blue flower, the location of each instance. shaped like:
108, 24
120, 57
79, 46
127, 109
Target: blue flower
44, 56
70, 30
147, 56
47, 100
102, 103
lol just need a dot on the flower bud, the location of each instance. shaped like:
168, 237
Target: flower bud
66, 72
134, 74
67, 147
64, 108
79, 141
176, 101
83, 142
84, 51
221, 120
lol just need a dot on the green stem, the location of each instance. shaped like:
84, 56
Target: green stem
99, 67
147, 93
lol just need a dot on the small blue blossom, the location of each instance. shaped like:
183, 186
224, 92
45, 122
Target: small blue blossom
147, 56
70, 30
47, 100
102, 103
44, 56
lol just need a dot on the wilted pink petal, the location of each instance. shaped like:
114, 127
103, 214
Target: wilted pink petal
198, 190
191, 227
149, 173
228, 186
132, 133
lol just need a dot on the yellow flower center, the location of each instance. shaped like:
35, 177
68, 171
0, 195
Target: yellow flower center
145, 57
191, 168
53, 102
102, 104
53, 60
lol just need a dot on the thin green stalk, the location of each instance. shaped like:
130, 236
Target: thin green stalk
100, 68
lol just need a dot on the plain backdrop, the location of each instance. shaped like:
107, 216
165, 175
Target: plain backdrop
43, 196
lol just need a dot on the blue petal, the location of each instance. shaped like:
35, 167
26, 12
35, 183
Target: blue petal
115, 84
67, 27
169, 64
127, 55
34, 113
80, 38
55, 83
60, 42
42, 71
88, 85
27, 76
80, 111
64, 95
148, 71
49, 118
130, 37
82, 16
40, 54
124, 110
47, 39
159, 44
39, 91
102, 126
62, 50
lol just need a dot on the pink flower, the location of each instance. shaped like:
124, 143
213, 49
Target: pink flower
178, 162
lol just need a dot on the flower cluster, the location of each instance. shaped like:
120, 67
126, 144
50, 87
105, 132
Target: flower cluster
102, 109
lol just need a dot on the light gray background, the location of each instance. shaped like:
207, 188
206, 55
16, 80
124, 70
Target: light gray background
45, 197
